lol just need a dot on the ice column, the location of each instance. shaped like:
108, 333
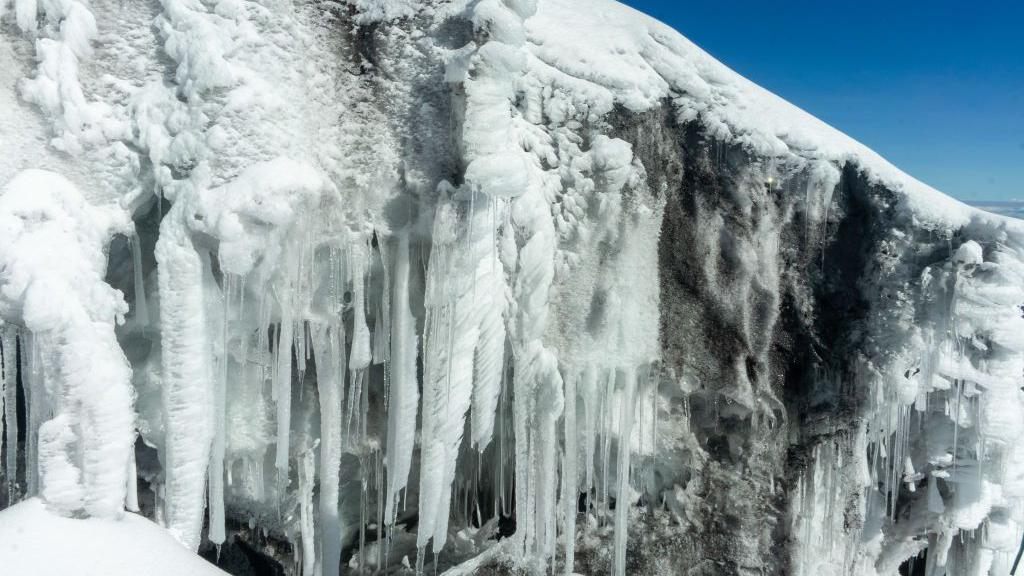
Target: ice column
187, 382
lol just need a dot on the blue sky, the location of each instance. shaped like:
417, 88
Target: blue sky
936, 87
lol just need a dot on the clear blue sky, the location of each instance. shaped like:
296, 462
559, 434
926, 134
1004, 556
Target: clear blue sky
935, 86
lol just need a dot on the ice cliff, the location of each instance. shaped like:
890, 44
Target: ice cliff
494, 286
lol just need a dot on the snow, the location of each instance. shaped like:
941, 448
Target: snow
35, 541
612, 54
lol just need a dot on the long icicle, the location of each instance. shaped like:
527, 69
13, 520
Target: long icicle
9, 343
622, 470
569, 482
283, 392
328, 350
216, 474
141, 307
404, 392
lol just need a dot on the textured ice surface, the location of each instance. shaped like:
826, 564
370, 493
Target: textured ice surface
432, 285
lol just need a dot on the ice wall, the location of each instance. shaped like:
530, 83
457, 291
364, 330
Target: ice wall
444, 285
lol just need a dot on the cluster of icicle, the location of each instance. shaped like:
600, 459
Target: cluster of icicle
272, 277
937, 460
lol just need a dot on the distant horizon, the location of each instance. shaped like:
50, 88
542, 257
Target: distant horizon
1012, 208
936, 90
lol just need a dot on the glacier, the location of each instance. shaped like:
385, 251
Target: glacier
482, 286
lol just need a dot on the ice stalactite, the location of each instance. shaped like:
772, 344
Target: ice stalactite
282, 383
819, 505
403, 394
623, 496
188, 388
329, 350
141, 307
307, 524
9, 345
570, 478
361, 353
489, 354
461, 295
537, 383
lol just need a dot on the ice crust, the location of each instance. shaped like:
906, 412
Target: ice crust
341, 337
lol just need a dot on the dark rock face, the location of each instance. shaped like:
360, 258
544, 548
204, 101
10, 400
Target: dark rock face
772, 374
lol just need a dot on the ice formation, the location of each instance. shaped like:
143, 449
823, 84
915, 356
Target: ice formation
415, 286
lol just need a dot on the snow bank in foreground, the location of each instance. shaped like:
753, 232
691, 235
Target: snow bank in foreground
34, 541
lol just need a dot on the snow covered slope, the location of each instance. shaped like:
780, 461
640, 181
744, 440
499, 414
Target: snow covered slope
34, 541
446, 284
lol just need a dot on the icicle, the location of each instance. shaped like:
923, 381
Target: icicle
606, 438
591, 402
3, 377
451, 335
282, 385
546, 471
187, 386
404, 388
935, 504
622, 471
307, 475
378, 339
141, 308
328, 349
33, 390
216, 473
382, 327
9, 343
490, 349
569, 487
360, 355
131, 502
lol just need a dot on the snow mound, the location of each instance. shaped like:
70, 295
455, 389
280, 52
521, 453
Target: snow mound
34, 541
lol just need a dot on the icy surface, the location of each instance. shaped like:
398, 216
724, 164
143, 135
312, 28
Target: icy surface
431, 285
